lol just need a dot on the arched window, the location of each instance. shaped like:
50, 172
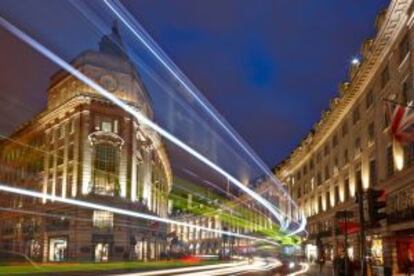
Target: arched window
106, 169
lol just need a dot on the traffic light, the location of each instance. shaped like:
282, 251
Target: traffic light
376, 206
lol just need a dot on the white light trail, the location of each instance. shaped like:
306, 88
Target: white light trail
301, 227
96, 206
305, 268
138, 115
125, 18
259, 264
184, 269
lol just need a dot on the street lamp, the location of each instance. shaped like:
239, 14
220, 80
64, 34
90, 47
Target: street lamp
355, 61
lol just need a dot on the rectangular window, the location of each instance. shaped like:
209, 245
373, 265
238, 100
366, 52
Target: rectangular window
357, 145
334, 141
346, 157
106, 126
105, 169
336, 167
70, 152
328, 200
50, 161
355, 115
320, 203
358, 179
404, 47
59, 157
371, 132
386, 121
336, 194
369, 99
346, 189
385, 77
326, 172
52, 135
406, 89
390, 161
326, 150
344, 129
103, 219
373, 172
409, 153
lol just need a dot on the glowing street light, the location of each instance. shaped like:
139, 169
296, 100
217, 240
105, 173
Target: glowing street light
355, 61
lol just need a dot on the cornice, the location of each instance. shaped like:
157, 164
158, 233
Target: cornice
395, 20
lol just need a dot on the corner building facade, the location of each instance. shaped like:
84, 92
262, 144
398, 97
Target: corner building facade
85, 147
351, 146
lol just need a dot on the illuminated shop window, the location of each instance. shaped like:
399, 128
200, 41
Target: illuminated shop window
58, 249
103, 219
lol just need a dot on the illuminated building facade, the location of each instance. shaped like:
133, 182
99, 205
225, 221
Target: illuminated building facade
351, 145
83, 146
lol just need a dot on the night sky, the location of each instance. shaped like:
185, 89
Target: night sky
269, 67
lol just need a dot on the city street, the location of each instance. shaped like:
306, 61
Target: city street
206, 137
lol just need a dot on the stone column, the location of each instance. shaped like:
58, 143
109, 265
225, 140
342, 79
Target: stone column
86, 153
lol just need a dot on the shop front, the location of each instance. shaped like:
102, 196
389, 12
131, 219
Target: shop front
58, 248
311, 252
102, 247
405, 254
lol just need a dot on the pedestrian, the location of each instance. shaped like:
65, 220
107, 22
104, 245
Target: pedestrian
321, 263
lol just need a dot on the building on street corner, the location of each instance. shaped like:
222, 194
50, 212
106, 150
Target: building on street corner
84, 147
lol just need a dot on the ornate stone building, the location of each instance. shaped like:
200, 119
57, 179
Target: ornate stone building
351, 145
84, 147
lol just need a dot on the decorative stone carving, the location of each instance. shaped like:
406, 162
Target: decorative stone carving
98, 137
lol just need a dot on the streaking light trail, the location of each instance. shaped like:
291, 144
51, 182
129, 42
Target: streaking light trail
119, 211
121, 13
140, 117
235, 268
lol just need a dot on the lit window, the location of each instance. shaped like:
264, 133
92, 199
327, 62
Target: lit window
103, 219
106, 169
116, 126
371, 132
106, 126
62, 131
72, 126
